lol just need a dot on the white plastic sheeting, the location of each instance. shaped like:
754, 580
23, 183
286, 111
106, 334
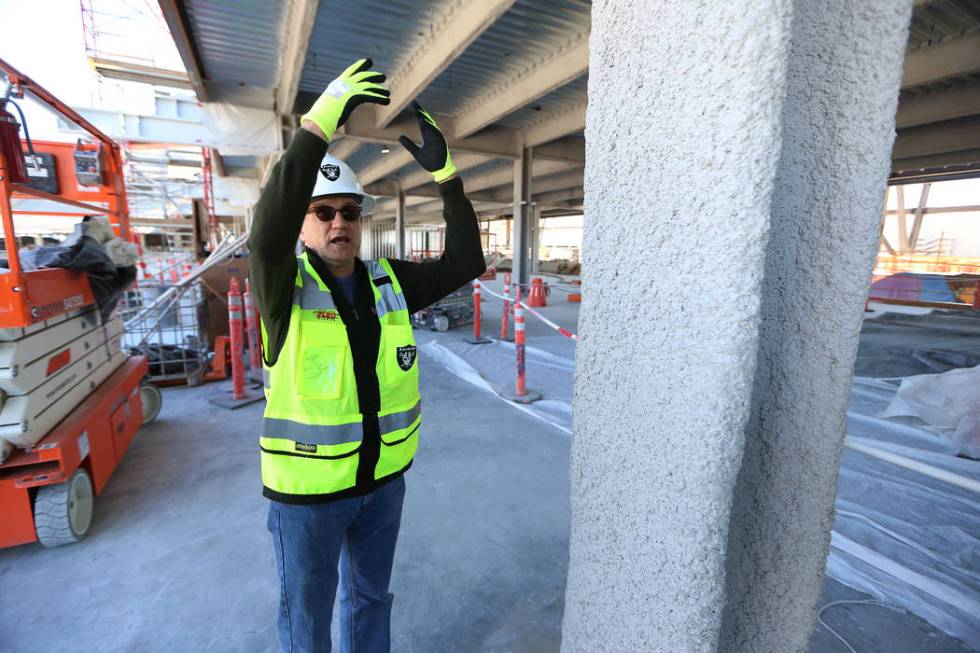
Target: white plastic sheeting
237, 130
905, 538
556, 412
949, 403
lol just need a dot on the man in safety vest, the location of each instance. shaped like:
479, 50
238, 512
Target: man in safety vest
341, 423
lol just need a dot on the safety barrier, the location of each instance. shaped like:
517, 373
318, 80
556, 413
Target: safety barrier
521, 392
236, 320
477, 338
507, 308
237, 347
252, 329
560, 329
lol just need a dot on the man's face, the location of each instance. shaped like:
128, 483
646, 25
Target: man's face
337, 241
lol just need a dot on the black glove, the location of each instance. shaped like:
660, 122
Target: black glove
434, 153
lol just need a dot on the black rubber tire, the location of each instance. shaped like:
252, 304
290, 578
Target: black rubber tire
440, 323
152, 400
53, 507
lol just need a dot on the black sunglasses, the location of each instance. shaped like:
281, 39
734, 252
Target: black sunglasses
350, 213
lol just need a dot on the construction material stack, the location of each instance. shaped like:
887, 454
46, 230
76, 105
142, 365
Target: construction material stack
49, 368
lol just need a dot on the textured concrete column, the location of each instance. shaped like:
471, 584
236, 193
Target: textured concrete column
736, 159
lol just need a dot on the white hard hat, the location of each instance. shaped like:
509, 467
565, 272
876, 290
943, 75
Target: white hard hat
336, 178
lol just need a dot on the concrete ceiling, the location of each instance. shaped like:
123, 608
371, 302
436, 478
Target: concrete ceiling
501, 75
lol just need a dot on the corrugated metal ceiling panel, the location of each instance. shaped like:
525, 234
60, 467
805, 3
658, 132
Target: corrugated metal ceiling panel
573, 93
345, 31
528, 33
239, 41
366, 155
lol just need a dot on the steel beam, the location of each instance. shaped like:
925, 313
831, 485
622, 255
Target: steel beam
953, 57
464, 161
937, 107
499, 142
438, 47
970, 157
563, 66
160, 129
568, 179
300, 18
919, 216
504, 176
493, 142
387, 165
576, 193
133, 72
937, 138
344, 148
175, 14
565, 123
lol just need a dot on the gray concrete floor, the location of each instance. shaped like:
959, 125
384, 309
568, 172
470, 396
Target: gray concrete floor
179, 558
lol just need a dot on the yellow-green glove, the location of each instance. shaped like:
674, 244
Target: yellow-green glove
434, 153
354, 87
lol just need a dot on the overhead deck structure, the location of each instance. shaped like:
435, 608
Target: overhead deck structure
503, 75
507, 81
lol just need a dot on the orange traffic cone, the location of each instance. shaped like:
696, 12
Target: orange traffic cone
536, 297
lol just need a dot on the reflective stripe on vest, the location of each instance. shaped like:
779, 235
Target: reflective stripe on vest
312, 428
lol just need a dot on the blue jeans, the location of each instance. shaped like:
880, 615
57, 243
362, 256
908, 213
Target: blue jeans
310, 540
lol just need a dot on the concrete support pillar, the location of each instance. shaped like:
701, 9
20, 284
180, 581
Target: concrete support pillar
522, 217
736, 159
400, 225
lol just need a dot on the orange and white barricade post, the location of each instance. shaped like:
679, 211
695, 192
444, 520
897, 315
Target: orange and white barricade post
240, 396
505, 318
476, 339
521, 394
252, 329
237, 346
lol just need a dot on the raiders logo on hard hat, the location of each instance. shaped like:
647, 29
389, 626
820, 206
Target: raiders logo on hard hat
406, 356
330, 171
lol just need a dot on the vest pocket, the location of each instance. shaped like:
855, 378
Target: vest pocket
321, 372
400, 355
397, 451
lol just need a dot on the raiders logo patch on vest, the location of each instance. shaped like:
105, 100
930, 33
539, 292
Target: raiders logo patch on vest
406, 356
330, 171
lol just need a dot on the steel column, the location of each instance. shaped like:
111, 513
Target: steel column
919, 216
400, 224
522, 217
535, 236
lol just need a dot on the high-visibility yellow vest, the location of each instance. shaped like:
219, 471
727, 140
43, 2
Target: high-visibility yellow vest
313, 428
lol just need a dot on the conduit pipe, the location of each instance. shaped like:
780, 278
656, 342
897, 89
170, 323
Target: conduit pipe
908, 463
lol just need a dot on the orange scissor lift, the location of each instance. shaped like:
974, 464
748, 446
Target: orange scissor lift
47, 490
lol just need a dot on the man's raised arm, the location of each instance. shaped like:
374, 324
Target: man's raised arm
462, 261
